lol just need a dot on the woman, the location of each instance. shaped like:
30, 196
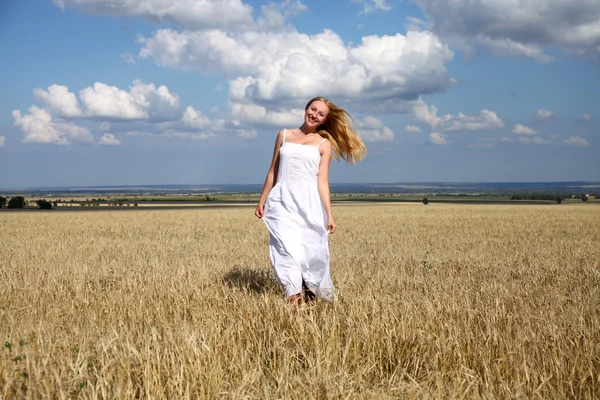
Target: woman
295, 201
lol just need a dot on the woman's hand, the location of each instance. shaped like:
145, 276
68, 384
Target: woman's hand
260, 210
331, 225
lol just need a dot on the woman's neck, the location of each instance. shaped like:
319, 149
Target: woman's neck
307, 130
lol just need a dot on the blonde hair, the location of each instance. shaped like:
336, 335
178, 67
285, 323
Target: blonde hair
345, 142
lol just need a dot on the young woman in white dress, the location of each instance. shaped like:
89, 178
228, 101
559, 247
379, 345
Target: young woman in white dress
295, 202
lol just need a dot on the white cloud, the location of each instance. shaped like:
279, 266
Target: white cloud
2, 141
267, 62
586, 117
269, 67
502, 47
59, 100
545, 115
192, 124
576, 141
274, 16
142, 101
486, 120
438, 138
412, 129
104, 126
108, 139
252, 114
196, 120
518, 27
370, 6
371, 129
187, 13
520, 129
38, 127
194, 14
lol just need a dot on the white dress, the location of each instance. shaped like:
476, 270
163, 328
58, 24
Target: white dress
297, 223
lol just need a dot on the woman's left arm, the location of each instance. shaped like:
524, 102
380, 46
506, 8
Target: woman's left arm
323, 183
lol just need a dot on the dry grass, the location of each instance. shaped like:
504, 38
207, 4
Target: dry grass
475, 301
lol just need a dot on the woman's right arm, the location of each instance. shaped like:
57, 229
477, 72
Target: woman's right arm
271, 177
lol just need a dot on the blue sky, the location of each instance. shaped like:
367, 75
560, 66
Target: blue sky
115, 92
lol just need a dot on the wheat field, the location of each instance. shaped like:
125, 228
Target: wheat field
436, 301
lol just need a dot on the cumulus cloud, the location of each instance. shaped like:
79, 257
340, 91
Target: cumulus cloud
108, 139
196, 120
39, 127
518, 27
520, 129
277, 67
438, 138
2, 141
143, 108
576, 141
486, 120
586, 117
412, 129
545, 115
269, 65
142, 101
58, 99
371, 129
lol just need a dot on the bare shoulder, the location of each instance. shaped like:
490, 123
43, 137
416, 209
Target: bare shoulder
283, 132
280, 135
325, 147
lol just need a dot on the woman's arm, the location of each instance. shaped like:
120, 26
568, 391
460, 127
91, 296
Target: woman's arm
271, 177
323, 184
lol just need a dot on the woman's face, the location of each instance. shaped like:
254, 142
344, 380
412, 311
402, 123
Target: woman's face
316, 113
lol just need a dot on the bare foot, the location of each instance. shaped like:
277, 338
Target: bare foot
296, 300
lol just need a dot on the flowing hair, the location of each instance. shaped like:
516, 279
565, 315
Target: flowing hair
345, 142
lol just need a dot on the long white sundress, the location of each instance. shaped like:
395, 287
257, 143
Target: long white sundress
297, 223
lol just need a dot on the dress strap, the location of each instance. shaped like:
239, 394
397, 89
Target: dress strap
321, 142
284, 132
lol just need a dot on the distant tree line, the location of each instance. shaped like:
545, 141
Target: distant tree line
535, 196
548, 196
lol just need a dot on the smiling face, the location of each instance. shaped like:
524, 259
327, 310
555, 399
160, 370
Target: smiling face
316, 113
